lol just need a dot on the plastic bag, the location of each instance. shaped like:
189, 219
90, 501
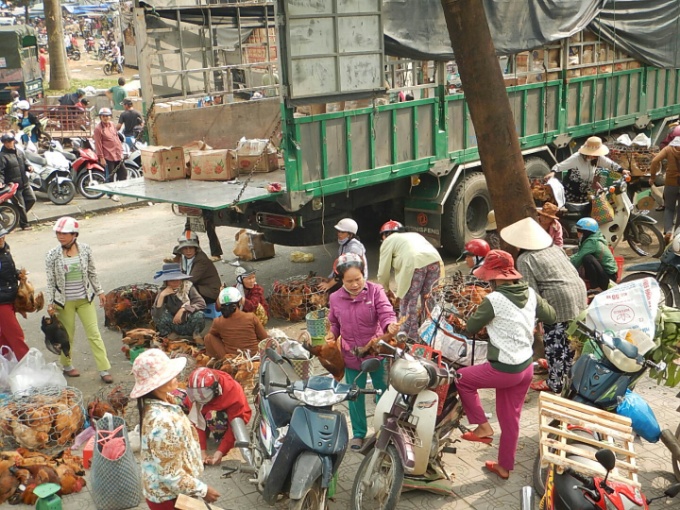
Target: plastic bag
7, 363
294, 350
33, 372
645, 424
135, 440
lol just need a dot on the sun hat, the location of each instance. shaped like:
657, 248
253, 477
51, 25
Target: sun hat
152, 369
347, 225
188, 240
170, 272
491, 221
497, 265
526, 234
549, 210
594, 147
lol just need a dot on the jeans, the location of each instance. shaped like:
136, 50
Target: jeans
25, 199
88, 318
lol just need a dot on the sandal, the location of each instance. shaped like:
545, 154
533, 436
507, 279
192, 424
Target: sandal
72, 373
540, 386
107, 378
472, 437
356, 443
542, 363
493, 467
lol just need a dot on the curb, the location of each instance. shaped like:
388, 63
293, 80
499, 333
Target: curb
79, 212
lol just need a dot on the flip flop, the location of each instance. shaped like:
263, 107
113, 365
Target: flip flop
356, 443
540, 386
72, 373
470, 436
493, 467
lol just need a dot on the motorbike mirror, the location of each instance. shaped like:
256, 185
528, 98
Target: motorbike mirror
370, 365
402, 337
672, 491
606, 458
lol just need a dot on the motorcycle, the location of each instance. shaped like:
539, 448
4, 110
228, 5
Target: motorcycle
413, 425
112, 66
639, 229
88, 172
571, 490
73, 53
51, 178
102, 49
297, 441
666, 271
90, 45
9, 208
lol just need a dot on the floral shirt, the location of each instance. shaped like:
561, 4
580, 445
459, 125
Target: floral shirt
171, 454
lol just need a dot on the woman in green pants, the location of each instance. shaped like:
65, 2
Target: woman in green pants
72, 285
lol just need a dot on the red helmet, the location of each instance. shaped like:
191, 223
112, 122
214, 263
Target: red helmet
202, 386
391, 226
477, 247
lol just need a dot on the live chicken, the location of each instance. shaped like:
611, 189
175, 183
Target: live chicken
26, 300
329, 356
56, 337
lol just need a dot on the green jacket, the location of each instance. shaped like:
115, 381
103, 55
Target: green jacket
518, 294
596, 245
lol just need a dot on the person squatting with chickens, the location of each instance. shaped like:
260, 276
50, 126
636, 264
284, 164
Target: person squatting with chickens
178, 309
348, 242
417, 268
171, 453
72, 285
359, 312
546, 268
508, 313
235, 330
253, 294
11, 333
196, 263
213, 399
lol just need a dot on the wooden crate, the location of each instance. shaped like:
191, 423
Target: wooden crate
616, 431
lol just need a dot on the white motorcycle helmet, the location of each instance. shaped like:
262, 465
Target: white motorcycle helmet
409, 377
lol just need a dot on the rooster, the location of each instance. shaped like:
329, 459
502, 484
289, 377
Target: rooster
329, 356
373, 349
56, 337
26, 300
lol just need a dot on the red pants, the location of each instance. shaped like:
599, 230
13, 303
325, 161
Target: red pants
510, 392
11, 333
165, 505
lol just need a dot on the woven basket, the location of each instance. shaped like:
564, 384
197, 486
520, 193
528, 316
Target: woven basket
316, 322
302, 367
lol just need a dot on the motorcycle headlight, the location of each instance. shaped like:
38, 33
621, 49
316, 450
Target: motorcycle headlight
319, 398
624, 186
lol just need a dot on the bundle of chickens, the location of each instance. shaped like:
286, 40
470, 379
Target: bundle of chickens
109, 400
45, 419
291, 299
22, 470
458, 297
139, 337
542, 193
26, 300
242, 367
636, 158
130, 306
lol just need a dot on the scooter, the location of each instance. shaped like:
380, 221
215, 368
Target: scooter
112, 66
53, 180
73, 53
88, 172
9, 208
90, 45
571, 490
412, 424
297, 440
666, 271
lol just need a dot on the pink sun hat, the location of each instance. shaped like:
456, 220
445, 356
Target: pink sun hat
152, 369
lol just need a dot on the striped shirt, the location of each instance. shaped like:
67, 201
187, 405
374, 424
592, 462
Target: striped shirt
75, 288
551, 274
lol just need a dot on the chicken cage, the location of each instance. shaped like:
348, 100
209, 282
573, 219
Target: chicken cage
129, 306
45, 419
293, 298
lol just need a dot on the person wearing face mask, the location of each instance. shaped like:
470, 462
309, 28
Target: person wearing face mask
214, 398
594, 256
235, 330
349, 242
171, 453
359, 311
253, 294
582, 169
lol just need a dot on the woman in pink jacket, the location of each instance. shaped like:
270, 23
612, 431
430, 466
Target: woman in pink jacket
359, 311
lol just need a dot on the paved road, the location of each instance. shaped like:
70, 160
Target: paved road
129, 245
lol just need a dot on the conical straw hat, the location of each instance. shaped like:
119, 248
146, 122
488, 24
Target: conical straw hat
526, 234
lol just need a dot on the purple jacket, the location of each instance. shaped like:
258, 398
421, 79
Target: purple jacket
360, 319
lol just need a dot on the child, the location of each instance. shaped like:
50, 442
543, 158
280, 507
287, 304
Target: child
547, 218
253, 294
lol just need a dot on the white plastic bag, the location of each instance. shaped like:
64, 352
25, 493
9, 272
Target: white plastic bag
294, 350
7, 363
135, 440
33, 372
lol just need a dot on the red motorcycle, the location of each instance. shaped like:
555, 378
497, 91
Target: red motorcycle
9, 208
87, 169
90, 45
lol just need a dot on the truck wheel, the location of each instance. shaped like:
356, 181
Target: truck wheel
536, 168
465, 213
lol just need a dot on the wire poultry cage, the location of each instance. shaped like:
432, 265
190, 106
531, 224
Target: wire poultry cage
293, 298
129, 306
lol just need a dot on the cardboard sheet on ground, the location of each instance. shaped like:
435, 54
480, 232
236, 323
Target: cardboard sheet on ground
187, 503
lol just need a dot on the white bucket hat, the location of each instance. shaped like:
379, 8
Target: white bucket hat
526, 234
594, 147
491, 220
152, 369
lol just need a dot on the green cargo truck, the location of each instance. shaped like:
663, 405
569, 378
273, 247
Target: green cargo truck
417, 160
19, 66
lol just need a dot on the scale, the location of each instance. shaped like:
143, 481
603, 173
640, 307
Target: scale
47, 497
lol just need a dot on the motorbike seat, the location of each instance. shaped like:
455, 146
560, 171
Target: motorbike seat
577, 208
35, 158
69, 155
282, 405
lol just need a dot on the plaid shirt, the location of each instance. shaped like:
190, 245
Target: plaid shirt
550, 273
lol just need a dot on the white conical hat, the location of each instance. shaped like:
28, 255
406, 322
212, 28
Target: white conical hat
526, 234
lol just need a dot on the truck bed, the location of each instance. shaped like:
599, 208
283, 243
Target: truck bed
211, 195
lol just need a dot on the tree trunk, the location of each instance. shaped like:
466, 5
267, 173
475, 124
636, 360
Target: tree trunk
59, 77
490, 111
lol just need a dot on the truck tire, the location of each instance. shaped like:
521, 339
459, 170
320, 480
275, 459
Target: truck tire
465, 213
536, 168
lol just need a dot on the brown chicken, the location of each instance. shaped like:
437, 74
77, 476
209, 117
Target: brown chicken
118, 399
329, 356
38, 476
30, 438
9, 483
141, 337
373, 349
69, 481
98, 408
26, 300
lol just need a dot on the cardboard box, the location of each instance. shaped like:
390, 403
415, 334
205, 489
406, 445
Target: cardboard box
163, 163
162, 107
214, 165
176, 105
634, 65
250, 245
256, 156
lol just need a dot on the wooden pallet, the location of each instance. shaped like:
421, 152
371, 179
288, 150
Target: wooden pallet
558, 415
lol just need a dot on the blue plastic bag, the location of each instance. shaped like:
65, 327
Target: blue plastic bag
645, 424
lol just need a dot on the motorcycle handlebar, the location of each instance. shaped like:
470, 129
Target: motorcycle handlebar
587, 481
278, 385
